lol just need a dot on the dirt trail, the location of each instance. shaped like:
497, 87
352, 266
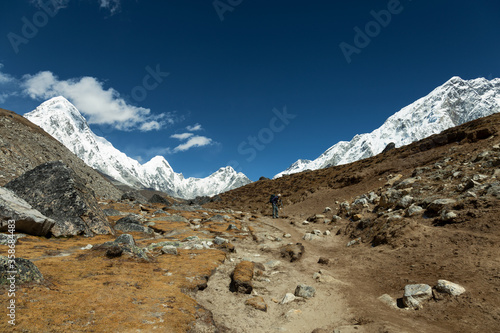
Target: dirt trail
326, 309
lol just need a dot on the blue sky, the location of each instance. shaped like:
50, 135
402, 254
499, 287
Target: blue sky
255, 84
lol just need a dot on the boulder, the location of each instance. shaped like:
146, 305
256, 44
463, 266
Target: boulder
132, 223
58, 193
26, 271
26, 218
123, 243
448, 287
414, 210
241, 278
416, 294
169, 249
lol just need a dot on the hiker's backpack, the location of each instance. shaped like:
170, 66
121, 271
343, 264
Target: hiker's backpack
271, 199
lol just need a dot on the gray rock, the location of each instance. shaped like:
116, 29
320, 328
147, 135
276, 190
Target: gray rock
448, 287
390, 198
405, 201
361, 202
169, 249
305, 291
58, 193
231, 227
309, 237
26, 271
437, 205
354, 241
26, 218
414, 210
288, 298
132, 227
125, 239
131, 218
416, 294
219, 240
112, 212
216, 218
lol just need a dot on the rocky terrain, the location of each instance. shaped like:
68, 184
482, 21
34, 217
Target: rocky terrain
405, 241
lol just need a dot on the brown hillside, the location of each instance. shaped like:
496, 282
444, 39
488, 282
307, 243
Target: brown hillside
24, 145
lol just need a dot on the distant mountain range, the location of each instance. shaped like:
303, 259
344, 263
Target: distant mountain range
455, 102
64, 122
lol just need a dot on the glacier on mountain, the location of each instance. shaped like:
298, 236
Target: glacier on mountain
63, 121
455, 102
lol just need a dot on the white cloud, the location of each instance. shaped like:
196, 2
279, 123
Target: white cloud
5, 78
111, 5
195, 141
182, 136
99, 105
196, 127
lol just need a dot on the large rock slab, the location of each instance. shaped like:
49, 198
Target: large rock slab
27, 219
58, 193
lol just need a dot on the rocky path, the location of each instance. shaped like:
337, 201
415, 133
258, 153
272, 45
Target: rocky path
327, 309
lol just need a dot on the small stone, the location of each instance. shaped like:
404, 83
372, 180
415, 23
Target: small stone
287, 236
257, 303
219, 240
88, 247
357, 217
305, 291
327, 209
289, 297
309, 237
317, 232
327, 233
169, 249
354, 241
323, 261
387, 299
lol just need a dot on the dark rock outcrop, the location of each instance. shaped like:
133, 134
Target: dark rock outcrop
26, 271
27, 219
156, 198
390, 146
58, 193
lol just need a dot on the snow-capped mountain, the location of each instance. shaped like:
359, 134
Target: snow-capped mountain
63, 121
455, 102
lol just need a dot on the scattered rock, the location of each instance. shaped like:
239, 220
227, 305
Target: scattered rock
26, 218
169, 249
26, 271
309, 237
448, 287
241, 278
288, 298
323, 261
388, 300
415, 294
257, 303
354, 241
292, 251
436, 206
414, 210
114, 251
219, 240
125, 239
305, 291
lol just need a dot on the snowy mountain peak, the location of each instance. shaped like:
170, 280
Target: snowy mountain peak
455, 102
64, 122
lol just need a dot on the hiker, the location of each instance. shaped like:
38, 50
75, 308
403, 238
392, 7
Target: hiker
276, 202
